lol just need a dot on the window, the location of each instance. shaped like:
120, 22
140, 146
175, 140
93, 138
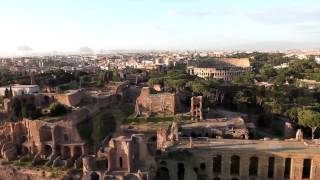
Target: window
306, 169
181, 171
235, 165
271, 167
203, 166
120, 162
287, 168
253, 167
217, 164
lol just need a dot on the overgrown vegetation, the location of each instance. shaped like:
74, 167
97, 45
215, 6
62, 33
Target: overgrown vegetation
284, 98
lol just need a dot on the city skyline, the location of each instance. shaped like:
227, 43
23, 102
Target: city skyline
159, 25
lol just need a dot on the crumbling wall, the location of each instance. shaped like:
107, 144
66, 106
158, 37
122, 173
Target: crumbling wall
151, 102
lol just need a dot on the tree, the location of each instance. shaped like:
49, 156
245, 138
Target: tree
309, 118
30, 111
57, 109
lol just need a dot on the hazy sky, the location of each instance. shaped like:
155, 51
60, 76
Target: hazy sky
66, 25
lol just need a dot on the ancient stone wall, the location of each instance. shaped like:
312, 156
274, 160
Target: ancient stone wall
69, 98
150, 102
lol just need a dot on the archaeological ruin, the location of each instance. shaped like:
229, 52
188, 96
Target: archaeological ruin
150, 102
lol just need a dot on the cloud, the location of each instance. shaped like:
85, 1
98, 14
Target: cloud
196, 14
167, 30
24, 48
285, 15
86, 50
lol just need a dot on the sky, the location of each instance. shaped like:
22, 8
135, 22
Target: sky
67, 25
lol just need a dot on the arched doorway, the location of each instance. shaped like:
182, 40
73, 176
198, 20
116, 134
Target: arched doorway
162, 173
181, 171
47, 151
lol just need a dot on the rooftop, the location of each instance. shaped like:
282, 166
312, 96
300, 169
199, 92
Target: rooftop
267, 146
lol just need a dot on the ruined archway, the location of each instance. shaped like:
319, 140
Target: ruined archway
47, 151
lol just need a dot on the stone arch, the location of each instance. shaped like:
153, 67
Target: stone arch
162, 173
235, 165
47, 150
253, 166
77, 152
66, 152
181, 171
45, 133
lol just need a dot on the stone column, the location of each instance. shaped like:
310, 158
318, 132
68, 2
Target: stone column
279, 167
244, 167
296, 168
83, 150
72, 151
263, 167
315, 169
209, 164
225, 166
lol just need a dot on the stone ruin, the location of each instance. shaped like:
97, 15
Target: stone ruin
299, 135
167, 137
126, 156
150, 102
196, 108
59, 144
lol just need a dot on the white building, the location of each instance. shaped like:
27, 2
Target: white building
18, 89
317, 60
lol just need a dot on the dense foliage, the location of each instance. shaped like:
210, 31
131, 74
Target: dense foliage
285, 97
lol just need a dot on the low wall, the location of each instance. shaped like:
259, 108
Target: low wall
8, 172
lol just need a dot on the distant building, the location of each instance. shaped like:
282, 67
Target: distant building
317, 60
219, 68
18, 89
310, 84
